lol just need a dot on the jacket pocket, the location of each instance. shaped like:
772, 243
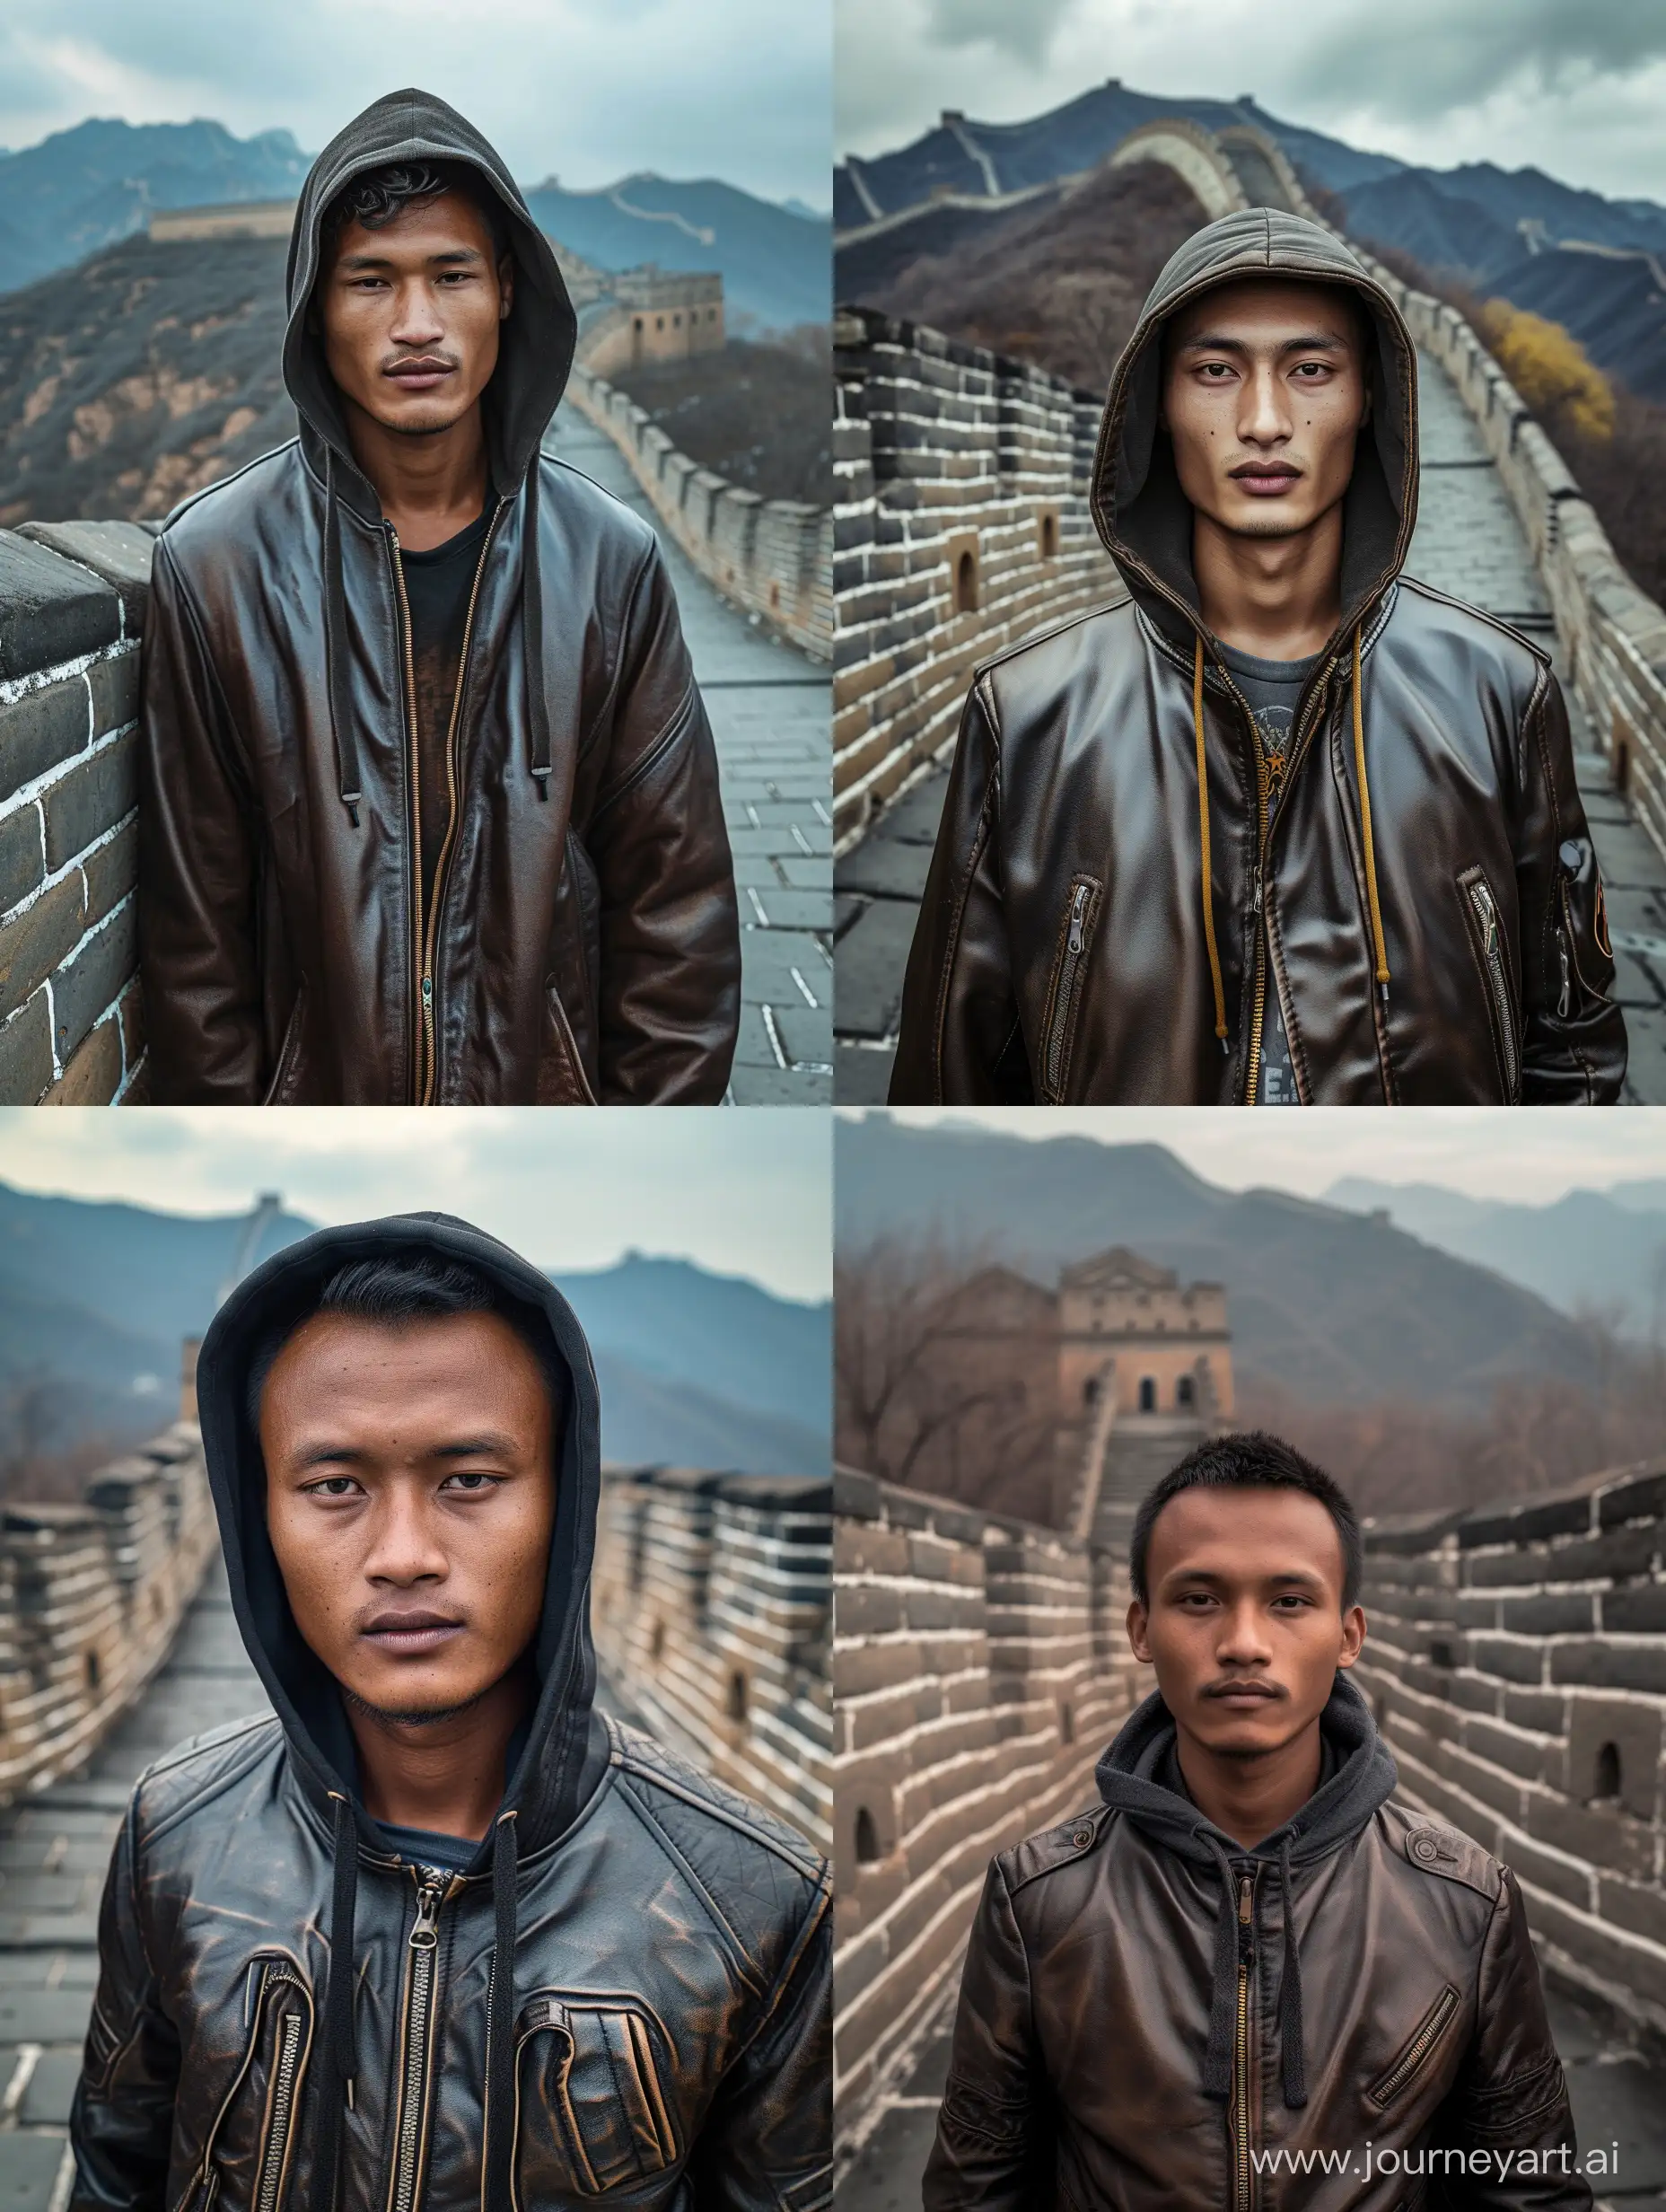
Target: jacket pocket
278, 1091
1582, 918
1416, 2052
591, 2110
1064, 998
561, 1077
249, 2149
1483, 927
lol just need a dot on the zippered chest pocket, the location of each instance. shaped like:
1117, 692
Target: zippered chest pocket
1064, 998
248, 2154
1483, 924
1414, 2055
592, 2112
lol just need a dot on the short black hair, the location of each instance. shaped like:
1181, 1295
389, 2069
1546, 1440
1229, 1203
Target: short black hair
1253, 1460
416, 1287
376, 195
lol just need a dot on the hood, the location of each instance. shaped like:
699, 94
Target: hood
543, 1790
1361, 1777
1139, 509
535, 352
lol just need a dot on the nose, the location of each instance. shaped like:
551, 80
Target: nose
416, 320
1263, 415
1242, 1641
404, 1550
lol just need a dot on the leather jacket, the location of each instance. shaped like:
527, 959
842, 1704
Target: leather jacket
1071, 941
624, 1993
584, 944
1090, 2009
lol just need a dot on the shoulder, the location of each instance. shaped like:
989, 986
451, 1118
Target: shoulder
1424, 619
1034, 673
223, 517
198, 1777
571, 501
1051, 1849
1436, 1852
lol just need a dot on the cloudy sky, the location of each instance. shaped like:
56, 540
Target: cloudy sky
744, 1192
585, 90
1576, 90
1533, 1158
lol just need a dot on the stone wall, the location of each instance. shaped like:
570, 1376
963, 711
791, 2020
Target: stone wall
771, 556
980, 1668
91, 1596
711, 1616
72, 603
960, 525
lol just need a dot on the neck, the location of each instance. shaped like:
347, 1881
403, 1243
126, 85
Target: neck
430, 485
1250, 1798
447, 1776
1277, 598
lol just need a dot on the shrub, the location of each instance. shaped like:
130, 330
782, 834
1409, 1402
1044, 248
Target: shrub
1551, 371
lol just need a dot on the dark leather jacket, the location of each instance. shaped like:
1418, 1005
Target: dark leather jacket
625, 1995
1062, 951
1093, 2003
584, 941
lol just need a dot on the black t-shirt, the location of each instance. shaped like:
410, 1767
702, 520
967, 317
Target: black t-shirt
1272, 690
437, 586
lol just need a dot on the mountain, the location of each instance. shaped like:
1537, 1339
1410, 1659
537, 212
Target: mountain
1590, 1250
697, 1369
1613, 302
1335, 1306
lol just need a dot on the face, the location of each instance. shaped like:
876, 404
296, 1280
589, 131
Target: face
1245, 1625
411, 314
1263, 395
410, 1496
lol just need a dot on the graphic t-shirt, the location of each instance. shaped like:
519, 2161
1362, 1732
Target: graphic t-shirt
437, 584
1272, 690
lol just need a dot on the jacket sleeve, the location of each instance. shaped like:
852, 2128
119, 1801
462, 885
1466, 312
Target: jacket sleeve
670, 1005
994, 2137
1508, 2114
960, 1041
767, 2142
121, 2119
197, 861
1573, 1047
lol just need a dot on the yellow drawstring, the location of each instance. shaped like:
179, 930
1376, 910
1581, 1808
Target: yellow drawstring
1365, 816
1208, 872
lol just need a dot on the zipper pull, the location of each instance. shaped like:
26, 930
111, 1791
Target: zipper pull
1255, 892
423, 1934
1077, 915
1246, 1922
427, 994
1562, 1003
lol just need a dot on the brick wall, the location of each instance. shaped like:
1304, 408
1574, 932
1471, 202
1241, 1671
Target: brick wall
72, 601
943, 451
711, 1615
980, 1668
91, 1596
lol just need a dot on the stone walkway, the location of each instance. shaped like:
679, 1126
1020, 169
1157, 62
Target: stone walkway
771, 712
1468, 542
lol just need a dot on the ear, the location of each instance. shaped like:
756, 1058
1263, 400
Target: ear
506, 286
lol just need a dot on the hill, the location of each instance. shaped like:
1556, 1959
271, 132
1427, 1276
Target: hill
1329, 1306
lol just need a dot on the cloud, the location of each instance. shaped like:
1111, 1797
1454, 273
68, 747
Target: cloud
1025, 31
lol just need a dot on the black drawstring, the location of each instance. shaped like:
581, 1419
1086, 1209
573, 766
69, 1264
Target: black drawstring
1290, 1991
500, 2084
1217, 2064
532, 638
336, 2077
335, 649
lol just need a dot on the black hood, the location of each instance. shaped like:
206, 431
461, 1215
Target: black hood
1357, 1777
544, 1791
535, 352
1140, 512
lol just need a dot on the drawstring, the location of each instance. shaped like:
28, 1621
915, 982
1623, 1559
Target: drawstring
1364, 818
1217, 2064
532, 634
335, 649
500, 2084
1208, 873
336, 2081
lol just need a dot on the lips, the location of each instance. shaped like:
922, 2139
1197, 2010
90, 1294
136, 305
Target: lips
1243, 1693
411, 1634
419, 375
1266, 483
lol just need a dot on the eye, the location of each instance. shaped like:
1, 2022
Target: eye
469, 1484
332, 1485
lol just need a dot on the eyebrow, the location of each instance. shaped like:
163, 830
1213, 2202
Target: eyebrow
1288, 1578
488, 1443
1316, 341
366, 261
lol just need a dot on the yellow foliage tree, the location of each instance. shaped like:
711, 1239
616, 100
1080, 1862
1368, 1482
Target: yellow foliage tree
1549, 368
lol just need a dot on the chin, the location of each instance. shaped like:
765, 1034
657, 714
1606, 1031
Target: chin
426, 421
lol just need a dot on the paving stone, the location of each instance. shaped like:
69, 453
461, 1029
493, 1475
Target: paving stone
872, 956
28, 2170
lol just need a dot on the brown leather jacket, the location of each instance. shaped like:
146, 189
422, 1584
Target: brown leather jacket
1062, 953
1152, 2016
584, 941
625, 1995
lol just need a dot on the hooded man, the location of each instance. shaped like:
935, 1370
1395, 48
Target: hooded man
1280, 826
434, 1932
1250, 1976
429, 809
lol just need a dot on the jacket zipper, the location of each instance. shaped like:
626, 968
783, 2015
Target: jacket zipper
1487, 913
1244, 2185
276, 2157
417, 2040
453, 774
1264, 784
1422, 2043
283, 2102
414, 811
1055, 1056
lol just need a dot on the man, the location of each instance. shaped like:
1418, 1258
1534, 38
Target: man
1250, 1958
433, 1929
429, 809
1280, 826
